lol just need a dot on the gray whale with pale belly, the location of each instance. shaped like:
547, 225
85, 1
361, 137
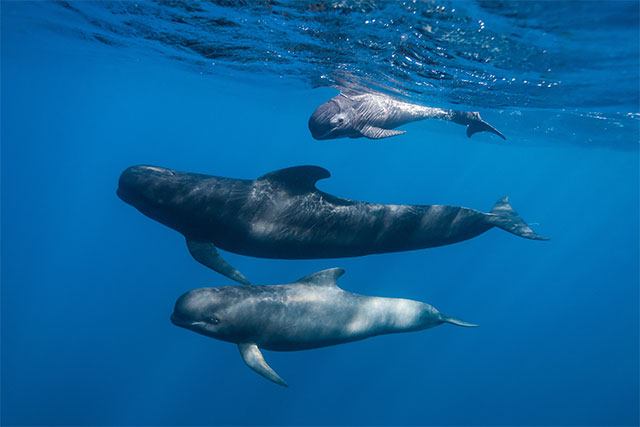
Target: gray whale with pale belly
283, 215
310, 313
375, 116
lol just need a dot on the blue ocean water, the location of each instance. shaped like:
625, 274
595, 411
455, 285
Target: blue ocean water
226, 88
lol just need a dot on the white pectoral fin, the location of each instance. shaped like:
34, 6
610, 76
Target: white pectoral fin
373, 132
253, 358
207, 254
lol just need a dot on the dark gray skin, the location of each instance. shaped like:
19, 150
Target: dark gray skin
310, 313
375, 116
282, 215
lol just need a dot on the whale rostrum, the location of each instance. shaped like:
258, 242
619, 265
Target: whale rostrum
310, 313
282, 215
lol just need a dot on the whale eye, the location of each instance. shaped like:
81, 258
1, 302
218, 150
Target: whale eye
213, 320
337, 121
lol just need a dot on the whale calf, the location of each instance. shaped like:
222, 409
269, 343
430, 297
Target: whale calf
310, 313
283, 215
375, 116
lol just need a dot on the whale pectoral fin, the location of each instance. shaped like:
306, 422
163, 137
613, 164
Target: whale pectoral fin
373, 132
207, 254
253, 358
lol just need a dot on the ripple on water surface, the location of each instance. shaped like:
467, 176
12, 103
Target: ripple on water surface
573, 65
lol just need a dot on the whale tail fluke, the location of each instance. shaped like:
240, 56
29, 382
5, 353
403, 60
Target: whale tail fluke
458, 322
473, 122
482, 126
504, 216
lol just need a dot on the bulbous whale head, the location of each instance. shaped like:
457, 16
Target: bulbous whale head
331, 120
145, 185
154, 191
202, 311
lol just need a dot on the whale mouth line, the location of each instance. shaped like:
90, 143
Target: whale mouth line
178, 320
197, 323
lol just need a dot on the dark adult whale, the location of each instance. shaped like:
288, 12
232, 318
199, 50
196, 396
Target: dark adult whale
310, 313
375, 116
283, 215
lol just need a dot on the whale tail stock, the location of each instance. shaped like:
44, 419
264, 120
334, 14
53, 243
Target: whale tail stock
504, 216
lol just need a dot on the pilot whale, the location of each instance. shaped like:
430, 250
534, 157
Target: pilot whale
283, 215
375, 116
310, 313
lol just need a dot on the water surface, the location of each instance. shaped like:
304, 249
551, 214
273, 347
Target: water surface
226, 88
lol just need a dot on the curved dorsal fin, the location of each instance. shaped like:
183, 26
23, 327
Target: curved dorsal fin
301, 178
322, 278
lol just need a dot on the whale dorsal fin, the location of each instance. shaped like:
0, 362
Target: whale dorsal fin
327, 277
300, 178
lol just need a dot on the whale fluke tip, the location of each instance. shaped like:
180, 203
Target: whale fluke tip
458, 322
504, 216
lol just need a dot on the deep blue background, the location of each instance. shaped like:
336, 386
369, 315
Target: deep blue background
88, 283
